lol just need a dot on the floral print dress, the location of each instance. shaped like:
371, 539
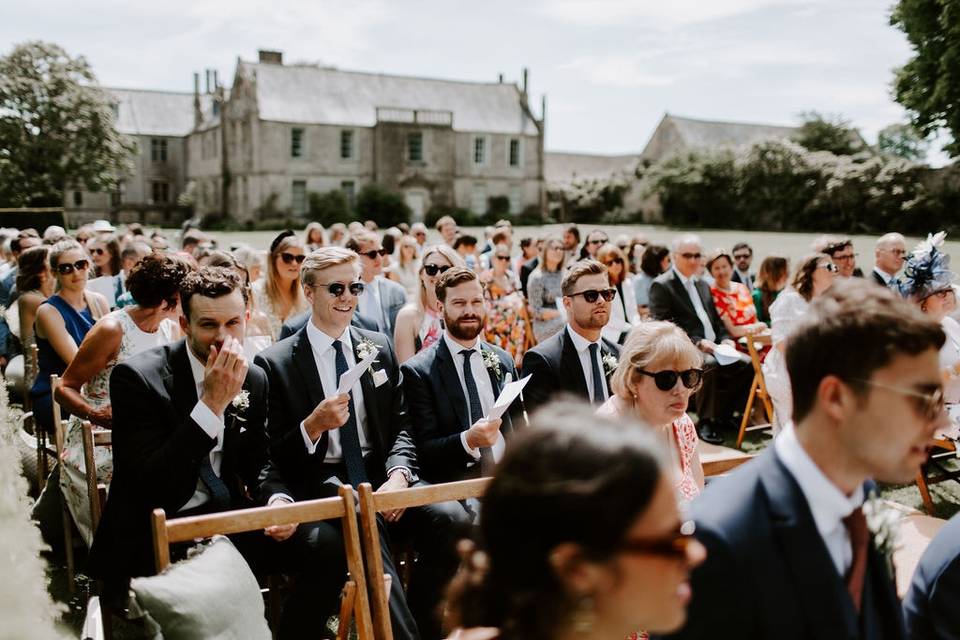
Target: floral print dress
505, 326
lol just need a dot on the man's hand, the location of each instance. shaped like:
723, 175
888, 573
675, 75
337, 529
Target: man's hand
483, 433
706, 346
223, 375
281, 532
396, 482
332, 413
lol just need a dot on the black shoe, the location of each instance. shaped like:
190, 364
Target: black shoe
707, 434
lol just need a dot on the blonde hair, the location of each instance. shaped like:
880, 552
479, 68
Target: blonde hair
308, 231
653, 344
272, 285
323, 259
449, 254
545, 246
611, 250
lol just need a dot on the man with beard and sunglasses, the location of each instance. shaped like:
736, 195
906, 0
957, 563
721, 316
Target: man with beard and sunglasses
576, 359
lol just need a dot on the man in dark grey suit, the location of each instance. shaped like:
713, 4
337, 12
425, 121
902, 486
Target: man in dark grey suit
930, 607
382, 299
789, 528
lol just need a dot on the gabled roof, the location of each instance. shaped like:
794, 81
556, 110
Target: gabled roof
155, 113
562, 166
689, 133
311, 94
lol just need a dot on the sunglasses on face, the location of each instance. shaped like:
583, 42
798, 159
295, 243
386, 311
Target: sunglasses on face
673, 545
600, 241
290, 258
373, 254
97, 251
336, 289
742, 256
832, 268
667, 380
434, 269
591, 295
613, 261
691, 256
504, 258
66, 268
930, 404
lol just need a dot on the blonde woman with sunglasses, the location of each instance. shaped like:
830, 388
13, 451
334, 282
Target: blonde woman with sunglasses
279, 295
419, 324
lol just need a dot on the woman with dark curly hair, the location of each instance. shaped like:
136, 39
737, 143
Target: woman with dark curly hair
154, 283
580, 536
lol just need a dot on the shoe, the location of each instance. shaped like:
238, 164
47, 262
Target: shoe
707, 434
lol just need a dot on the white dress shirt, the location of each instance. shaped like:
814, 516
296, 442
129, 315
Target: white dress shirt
887, 277
582, 345
827, 502
325, 357
691, 289
212, 424
484, 389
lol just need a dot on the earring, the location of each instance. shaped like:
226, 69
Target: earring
582, 617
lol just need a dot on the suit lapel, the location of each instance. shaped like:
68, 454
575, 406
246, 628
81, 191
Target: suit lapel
450, 380
570, 362
307, 365
368, 387
178, 380
680, 291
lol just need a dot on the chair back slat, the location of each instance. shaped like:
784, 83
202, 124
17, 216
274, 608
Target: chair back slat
93, 438
430, 494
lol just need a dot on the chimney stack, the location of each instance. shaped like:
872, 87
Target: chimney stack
268, 56
196, 85
216, 81
206, 73
526, 75
500, 79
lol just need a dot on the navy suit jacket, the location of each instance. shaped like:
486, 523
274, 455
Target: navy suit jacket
556, 368
299, 321
930, 606
439, 411
768, 573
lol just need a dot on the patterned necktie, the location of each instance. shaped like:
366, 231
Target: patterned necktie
598, 394
476, 411
349, 436
219, 493
856, 525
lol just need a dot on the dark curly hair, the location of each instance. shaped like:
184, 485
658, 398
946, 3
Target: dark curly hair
802, 280
31, 264
156, 280
210, 282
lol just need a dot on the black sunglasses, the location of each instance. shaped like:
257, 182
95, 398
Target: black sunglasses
373, 254
691, 256
336, 289
434, 269
671, 546
591, 295
667, 380
66, 268
504, 258
98, 251
289, 258
601, 241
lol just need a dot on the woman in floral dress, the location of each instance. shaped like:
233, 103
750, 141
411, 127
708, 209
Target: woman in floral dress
734, 302
505, 305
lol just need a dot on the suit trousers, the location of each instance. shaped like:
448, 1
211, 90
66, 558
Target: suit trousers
724, 390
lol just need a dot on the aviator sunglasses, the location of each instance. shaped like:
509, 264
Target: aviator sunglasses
434, 269
591, 295
336, 289
289, 258
66, 268
667, 380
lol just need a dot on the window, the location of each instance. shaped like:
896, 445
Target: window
348, 190
296, 143
158, 149
479, 150
78, 198
478, 199
346, 144
516, 200
415, 147
160, 192
115, 108
299, 197
514, 155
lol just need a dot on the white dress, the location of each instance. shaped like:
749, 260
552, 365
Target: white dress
949, 356
785, 311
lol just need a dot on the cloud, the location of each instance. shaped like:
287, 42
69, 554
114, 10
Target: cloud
653, 12
618, 71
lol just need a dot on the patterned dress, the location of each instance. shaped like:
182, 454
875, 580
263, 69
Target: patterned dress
736, 305
505, 308
96, 392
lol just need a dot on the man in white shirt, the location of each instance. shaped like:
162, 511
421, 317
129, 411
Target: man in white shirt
891, 253
790, 528
381, 299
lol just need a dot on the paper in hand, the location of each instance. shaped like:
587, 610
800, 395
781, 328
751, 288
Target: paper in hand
348, 379
725, 354
507, 396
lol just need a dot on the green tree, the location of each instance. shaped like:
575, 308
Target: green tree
385, 207
330, 207
929, 84
828, 133
56, 128
903, 141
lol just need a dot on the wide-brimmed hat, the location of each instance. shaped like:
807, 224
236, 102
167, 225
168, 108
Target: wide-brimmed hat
102, 225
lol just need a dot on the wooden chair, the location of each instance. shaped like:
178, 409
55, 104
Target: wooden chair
59, 433
758, 389
354, 603
947, 448
373, 503
718, 460
96, 491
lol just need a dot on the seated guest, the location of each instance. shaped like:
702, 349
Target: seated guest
543, 289
312, 236
595, 240
771, 280
527, 261
406, 270
930, 606
654, 261
814, 276
743, 257
257, 337
35, 282
682, 298
419, 323
659, 370
610, 554
466, 247
279, 295
63, 320
448, 229
732, 299
577, 359
506, 324
320, 439
840, 250
381, 299
891, 252
623, 310
789, 528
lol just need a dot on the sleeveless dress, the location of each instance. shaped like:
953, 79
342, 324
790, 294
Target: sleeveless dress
77, 323
96, 392
505, 325
430, 331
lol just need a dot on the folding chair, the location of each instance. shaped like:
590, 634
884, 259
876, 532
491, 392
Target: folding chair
758, 389
948, 449
373, 503
96, 491
59, 433
354, 601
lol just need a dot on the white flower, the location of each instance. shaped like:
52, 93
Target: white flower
365, 347
609, 363
883, 523
242, 401
491, 361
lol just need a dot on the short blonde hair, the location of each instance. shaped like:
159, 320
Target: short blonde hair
448, 254
323, 259
579, 269
653, 344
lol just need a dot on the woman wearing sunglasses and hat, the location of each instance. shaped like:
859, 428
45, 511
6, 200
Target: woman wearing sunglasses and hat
279, 295
419, 324
658, 372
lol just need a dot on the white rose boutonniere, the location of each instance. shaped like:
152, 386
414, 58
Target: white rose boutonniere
609, 363
240, 403
365, 347
491, 361
883, 522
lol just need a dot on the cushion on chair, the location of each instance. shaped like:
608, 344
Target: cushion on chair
211, 595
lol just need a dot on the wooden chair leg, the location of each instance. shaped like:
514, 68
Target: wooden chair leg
746, 412
924, 492
68, 548
346, 609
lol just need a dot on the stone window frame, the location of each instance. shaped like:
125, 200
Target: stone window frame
519, 141
298, 139
348, 139
484, 148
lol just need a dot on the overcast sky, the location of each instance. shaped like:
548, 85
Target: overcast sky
609, 68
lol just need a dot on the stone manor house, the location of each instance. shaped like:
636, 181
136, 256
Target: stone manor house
281, 131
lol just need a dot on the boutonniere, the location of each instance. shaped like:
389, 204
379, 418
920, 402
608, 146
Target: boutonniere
609, 363
491, 361
883, 523
365, 347
240, 403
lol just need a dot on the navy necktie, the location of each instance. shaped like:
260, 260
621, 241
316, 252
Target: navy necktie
476, 411
598, 396
219, 493
349, 436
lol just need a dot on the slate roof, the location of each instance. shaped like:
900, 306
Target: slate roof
311, 94
708, 133
562, 166
146, 112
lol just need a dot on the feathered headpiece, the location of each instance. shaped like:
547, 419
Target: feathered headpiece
927, 270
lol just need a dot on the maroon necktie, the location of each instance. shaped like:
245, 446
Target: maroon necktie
856, 525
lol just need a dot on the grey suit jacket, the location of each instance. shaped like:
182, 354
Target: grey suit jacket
392, 298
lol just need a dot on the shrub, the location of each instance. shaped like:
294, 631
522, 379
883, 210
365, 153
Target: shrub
330, 207
498, 207
385, 207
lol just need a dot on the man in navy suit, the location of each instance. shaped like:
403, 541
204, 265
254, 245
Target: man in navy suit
930, 607
577, 359
789, 553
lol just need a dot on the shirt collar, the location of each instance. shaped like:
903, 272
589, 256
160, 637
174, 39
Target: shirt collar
320, 341
887, 277
455, 347
827, 502
683, 279
579, 342
196, 367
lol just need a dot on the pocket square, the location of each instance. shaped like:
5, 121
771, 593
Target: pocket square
379, 378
